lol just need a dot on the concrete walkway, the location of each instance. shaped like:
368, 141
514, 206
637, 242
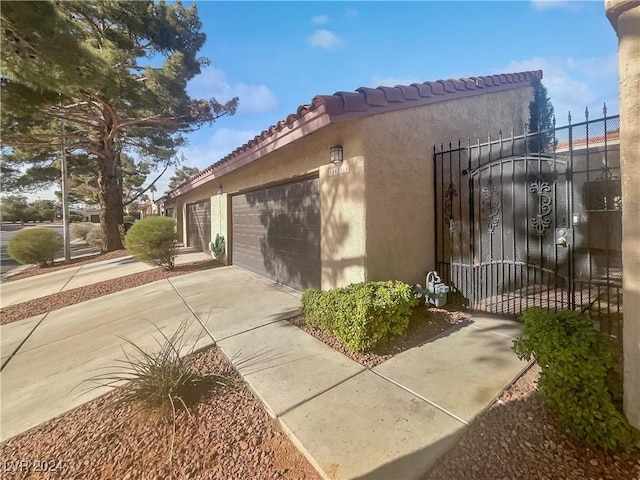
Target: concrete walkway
392, 421
19, 291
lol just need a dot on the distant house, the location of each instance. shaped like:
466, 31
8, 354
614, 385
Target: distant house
342, 190
91, 213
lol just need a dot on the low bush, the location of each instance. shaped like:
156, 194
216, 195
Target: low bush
153, 240
38, 246
578, 379
73, 218
128, 219
362, 315
81, 230
319, 309
93, 236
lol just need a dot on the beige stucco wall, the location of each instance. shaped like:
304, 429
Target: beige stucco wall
344, 220
219, 220
625, 17
341, 196
399, 177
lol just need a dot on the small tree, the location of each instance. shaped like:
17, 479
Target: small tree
541, 119
153, 240
36, 246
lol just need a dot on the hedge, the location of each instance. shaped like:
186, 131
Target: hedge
362, 315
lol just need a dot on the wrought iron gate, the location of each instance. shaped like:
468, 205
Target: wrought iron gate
534, 220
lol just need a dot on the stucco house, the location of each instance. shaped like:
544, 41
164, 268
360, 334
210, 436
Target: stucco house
342, 190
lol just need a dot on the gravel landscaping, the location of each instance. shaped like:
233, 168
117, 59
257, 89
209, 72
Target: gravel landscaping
228, 435
517, 438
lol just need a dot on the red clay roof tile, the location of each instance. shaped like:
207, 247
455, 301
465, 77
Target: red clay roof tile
370, 101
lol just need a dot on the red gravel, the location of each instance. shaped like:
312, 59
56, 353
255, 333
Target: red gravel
517, 438
228, 437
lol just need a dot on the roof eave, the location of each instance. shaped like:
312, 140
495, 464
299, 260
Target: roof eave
309, 123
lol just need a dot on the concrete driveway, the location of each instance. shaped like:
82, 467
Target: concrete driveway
45, 359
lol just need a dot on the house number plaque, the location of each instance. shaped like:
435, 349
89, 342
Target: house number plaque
341, 170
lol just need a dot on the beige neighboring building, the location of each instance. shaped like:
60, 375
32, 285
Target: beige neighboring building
290, 214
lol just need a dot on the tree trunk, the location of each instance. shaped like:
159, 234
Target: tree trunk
110, 200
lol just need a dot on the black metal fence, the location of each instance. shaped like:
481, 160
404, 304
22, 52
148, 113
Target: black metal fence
534, 220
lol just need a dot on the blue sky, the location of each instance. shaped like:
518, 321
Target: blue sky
278, 55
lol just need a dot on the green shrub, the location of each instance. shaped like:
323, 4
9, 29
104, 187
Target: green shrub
93, 237
128, 219
81, 230
73, 218
577, 376
219, 247
38, 245
319, 308
153, 240
362, 315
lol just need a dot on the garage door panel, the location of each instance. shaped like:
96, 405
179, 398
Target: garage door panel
280, 236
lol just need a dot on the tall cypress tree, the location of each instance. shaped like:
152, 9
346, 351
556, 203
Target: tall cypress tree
116, 73
540, 119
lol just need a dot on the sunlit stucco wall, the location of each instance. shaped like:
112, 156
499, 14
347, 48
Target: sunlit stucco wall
399, 176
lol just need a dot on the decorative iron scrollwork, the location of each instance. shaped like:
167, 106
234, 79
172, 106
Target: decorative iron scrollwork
543, 191
448, 203
491, 205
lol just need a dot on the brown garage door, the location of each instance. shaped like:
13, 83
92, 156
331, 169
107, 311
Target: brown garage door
276, 233
199, 225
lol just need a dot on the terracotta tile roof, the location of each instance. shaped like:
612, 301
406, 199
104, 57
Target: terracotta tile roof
326, 109
593, 141
369, 101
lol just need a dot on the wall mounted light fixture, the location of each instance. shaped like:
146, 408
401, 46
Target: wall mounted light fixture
220, 190
335, 154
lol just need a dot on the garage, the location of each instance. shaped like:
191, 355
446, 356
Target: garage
276, 233
199, 225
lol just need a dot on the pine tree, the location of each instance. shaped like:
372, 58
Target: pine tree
115, 72
541, 119
181, 175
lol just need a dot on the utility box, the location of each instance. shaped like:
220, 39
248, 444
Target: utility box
435, 291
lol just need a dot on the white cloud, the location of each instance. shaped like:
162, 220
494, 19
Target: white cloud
351, 12
574, 84
319, 19
392, 81
541, 5
253, 98
325, 39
